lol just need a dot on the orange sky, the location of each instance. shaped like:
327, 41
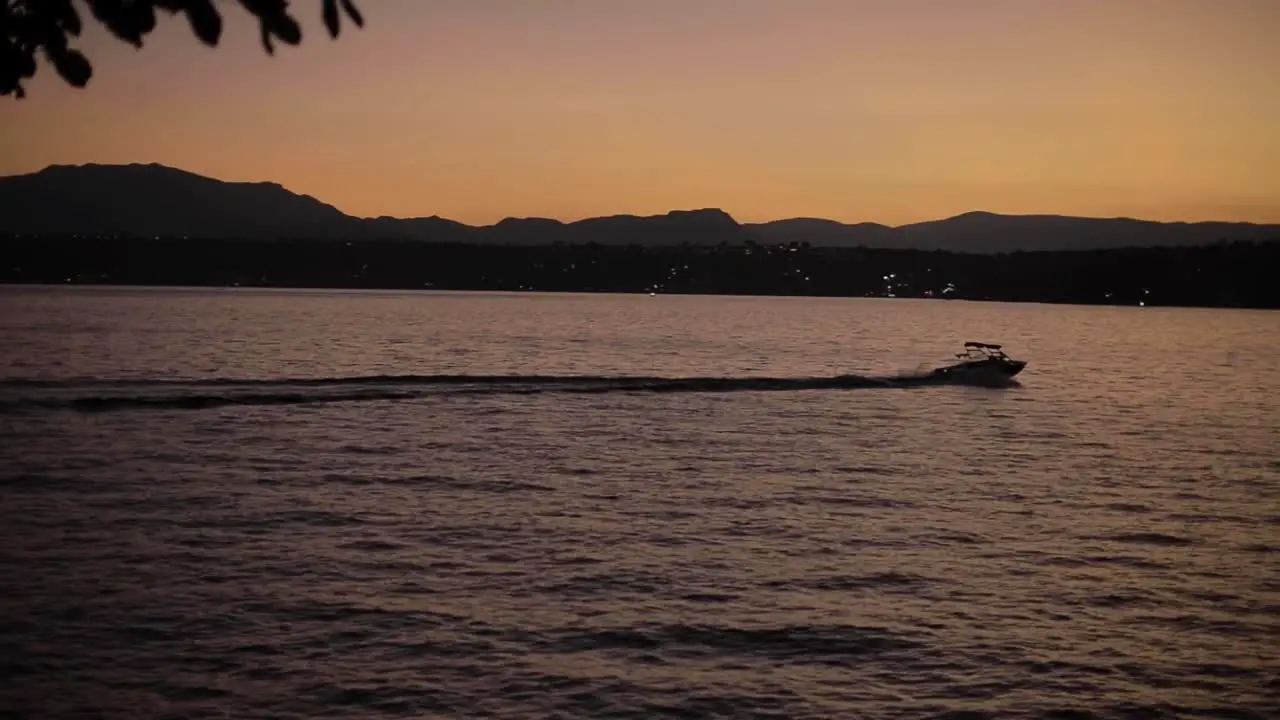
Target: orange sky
885, 110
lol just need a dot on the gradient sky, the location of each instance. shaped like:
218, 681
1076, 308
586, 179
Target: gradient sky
891, 111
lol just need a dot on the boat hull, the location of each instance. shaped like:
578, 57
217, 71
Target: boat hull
982, 371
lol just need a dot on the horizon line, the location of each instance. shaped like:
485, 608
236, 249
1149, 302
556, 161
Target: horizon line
564, 221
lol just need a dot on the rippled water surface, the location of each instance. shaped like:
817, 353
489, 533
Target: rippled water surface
319, 504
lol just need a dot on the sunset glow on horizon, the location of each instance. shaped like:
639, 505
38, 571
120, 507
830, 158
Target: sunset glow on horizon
890, 111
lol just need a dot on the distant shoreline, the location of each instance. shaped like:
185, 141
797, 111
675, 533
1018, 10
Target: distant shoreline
1225, 275
301, 289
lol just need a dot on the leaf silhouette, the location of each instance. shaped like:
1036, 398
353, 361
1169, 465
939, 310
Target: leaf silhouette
28, 27
73, 67
24, 65
10, 85
205, 21
143, 19
331, 17
286, 28
266, 40
353, 13
68, 16
115, 15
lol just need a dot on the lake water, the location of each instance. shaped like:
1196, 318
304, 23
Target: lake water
261, 503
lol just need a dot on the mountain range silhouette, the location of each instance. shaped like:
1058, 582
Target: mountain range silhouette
152, 200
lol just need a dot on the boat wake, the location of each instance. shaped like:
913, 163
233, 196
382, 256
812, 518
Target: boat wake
100, 394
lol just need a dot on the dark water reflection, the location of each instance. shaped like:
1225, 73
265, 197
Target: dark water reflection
1099, 542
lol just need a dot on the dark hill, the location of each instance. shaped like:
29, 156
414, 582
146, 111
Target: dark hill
984, 232
154, 200
157, 201
820, 232
988, 232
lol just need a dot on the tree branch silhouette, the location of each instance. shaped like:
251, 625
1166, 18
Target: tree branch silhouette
31, 27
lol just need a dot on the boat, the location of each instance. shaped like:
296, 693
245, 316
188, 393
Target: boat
980, 362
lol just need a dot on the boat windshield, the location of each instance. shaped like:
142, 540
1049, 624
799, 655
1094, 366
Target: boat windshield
981, 351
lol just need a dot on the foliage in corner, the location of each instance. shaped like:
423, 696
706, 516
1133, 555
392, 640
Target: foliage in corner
29, 27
